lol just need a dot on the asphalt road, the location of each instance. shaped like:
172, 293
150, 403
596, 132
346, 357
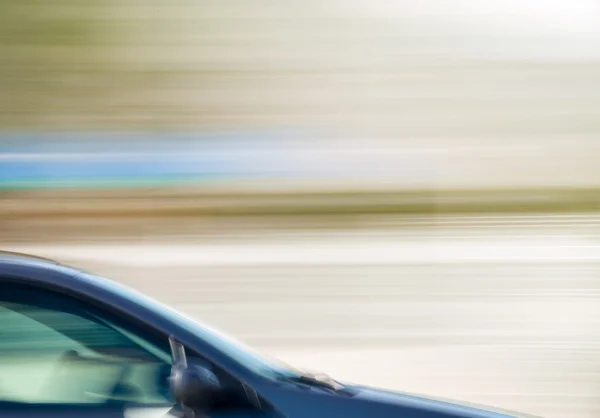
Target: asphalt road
505, 315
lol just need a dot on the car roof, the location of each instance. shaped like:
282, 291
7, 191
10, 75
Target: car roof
23, 258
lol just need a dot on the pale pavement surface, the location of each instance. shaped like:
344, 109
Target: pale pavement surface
502, 314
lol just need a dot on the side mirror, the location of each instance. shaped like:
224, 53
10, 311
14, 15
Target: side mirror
194, 386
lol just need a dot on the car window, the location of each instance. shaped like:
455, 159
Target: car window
57, 350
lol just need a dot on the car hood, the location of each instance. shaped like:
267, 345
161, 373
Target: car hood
442, 406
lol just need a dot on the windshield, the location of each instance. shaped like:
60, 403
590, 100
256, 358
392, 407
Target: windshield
242, 354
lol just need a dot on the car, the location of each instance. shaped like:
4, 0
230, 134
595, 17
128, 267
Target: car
74, 344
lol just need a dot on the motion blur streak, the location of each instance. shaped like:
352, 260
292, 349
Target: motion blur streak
404, 193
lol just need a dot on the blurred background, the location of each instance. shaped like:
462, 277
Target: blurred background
398, 192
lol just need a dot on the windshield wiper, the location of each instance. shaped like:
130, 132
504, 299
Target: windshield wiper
315, 380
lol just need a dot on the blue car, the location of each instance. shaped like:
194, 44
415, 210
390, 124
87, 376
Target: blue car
76, 345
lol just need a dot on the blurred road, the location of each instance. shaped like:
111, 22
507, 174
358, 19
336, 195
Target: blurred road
481, 309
